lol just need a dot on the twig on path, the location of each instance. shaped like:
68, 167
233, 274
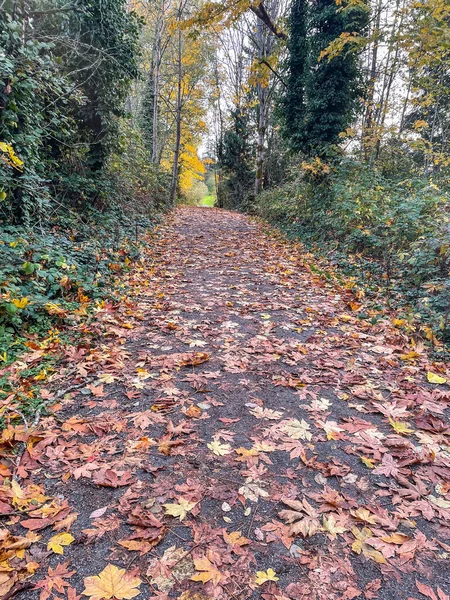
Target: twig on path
19, 587
23, 512
177, 534
187, 554
132, 560
20, 413
231, 593
253, 518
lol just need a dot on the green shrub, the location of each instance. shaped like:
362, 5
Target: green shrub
394, 236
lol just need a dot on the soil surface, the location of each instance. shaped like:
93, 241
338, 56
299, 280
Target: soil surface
245, 430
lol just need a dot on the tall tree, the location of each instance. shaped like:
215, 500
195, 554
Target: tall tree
294, 101
323, 88
333, 82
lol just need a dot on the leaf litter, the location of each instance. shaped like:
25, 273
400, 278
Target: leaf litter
238, 431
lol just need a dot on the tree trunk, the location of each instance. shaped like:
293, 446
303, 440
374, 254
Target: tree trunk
176, 156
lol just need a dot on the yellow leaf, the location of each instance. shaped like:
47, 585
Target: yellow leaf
235, 537
207, 571
112, 582
364, 515
400, 427
369, 462
396, 538
59, 540
433, 378
179, 510
263, 576
331, 527
374, 555
219, 449
107, 378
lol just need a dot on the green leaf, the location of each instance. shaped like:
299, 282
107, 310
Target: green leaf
28, 268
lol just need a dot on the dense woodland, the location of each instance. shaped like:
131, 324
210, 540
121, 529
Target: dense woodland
329, 118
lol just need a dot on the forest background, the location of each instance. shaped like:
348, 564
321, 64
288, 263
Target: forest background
328, 118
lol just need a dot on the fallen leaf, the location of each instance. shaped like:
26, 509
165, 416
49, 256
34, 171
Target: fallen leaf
434, 378
57, 542
206, 571
263, 576
112, 582
179, 510
219, 449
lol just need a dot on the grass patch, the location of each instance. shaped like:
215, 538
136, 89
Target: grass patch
208, 201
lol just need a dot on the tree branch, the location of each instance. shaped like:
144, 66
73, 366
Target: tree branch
261, 12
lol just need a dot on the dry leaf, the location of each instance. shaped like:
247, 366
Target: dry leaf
59, 540
112, 582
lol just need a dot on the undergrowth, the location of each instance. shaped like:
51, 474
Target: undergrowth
390, 239
52, 283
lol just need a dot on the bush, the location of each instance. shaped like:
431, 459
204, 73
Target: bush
393, 236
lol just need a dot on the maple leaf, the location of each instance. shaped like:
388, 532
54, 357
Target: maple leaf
303, 518
179, 510
400, 427
235, 538
331, 527
360, 545
298, 430
427, 591
388, 467
263, 576
107, 378
111, 478
434, 378
369, 462
207, 571
219, 449
112, 582
141, 546
54, 580
59, 540
362, 514
251, 491
266, 413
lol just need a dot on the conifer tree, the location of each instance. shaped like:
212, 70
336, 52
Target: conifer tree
322, 91
294, 102
332, 83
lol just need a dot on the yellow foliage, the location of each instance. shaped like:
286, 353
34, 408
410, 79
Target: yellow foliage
11, 157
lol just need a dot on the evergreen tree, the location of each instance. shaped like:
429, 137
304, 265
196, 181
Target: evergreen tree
294, 101
235, 160
322, 93
333, 84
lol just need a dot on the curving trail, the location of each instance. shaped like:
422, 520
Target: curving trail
244, 432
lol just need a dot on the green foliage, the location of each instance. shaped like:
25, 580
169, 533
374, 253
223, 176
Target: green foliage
392, 236
236, 161
333, 82
64, 77
294, 100
107, 36
34, 117
322, 93
196, 193
54, 277
141, 187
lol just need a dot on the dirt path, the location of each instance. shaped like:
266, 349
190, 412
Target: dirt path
245, 396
